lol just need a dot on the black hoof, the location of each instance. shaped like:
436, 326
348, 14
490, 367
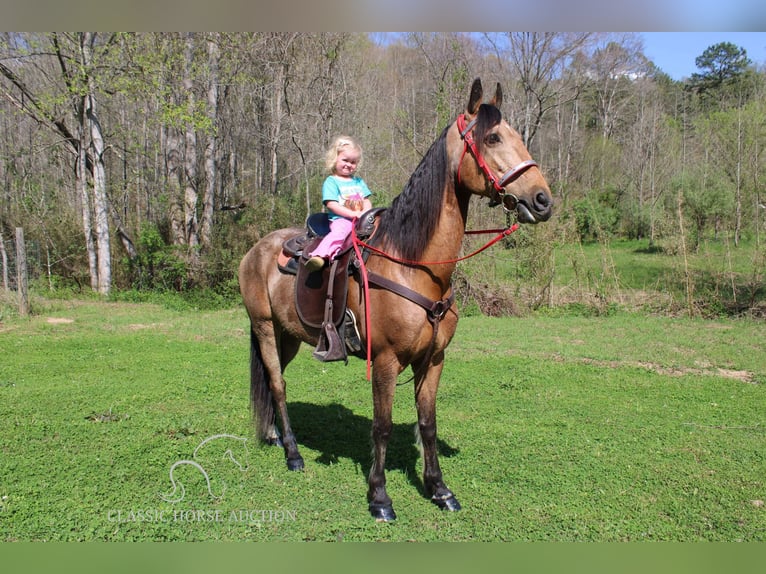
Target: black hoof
382, 513
295, 464
450, 503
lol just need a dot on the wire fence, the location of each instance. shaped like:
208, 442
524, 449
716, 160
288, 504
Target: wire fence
8, 263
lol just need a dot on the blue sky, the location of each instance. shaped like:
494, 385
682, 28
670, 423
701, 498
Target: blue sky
675, 52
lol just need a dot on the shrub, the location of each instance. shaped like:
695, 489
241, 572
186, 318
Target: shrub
157, 265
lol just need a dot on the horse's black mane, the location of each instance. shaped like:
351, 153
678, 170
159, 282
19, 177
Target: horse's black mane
407, 226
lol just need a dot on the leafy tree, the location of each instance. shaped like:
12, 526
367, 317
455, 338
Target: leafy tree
721, 64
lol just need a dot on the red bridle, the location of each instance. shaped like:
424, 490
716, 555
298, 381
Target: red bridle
498, 184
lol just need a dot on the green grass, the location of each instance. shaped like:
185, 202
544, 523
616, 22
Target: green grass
718, 279
721, 274
565, 428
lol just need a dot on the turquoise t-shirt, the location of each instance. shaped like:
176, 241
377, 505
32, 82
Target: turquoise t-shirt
337, 189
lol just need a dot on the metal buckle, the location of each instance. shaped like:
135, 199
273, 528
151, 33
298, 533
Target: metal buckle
509, 202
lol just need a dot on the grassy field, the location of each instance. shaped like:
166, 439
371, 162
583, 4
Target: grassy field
552, 428
716, 280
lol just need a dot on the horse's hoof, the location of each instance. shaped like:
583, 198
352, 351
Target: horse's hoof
449, 503
295, 464
382, 513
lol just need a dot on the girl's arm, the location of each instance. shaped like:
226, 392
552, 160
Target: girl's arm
343, 211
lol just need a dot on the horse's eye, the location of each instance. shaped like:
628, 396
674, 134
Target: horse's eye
493, 139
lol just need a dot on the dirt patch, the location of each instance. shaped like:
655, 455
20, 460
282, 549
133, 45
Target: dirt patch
59, 320
142, 326
744, 376
741, 376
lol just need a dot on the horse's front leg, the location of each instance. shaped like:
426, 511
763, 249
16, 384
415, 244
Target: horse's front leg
425, 398
383, 386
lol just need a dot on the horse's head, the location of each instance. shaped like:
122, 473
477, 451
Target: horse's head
493, 161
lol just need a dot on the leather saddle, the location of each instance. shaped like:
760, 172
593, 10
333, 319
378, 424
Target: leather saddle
320, 296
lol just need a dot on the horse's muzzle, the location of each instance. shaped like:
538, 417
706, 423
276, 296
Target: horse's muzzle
539, 209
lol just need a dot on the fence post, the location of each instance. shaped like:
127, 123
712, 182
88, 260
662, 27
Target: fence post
4, 258
21, 273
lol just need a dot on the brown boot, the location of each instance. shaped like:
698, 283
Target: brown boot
314, 263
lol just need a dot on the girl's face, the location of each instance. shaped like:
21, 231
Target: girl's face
346, 162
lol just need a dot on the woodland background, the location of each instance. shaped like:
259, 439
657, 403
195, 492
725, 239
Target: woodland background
150, 162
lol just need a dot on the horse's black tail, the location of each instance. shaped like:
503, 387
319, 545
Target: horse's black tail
261, 402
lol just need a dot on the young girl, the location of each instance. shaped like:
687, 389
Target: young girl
345, 195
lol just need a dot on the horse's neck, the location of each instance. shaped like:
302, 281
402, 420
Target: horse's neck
447, 239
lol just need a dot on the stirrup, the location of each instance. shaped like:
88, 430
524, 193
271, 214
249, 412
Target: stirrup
330, 347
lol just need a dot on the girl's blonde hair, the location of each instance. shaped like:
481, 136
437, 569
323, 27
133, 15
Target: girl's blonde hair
338, 145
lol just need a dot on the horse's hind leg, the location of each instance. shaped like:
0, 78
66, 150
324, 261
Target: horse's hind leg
274, 367
289, 348
425, 398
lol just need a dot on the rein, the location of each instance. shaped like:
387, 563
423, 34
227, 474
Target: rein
501, 233
435, 310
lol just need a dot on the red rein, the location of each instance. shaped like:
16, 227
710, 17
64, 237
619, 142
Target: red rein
357, 243
465, 133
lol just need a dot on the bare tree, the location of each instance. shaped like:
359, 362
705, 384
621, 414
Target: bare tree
211, 146
540, 60
191, 195
100, 202
79, 91
612, 69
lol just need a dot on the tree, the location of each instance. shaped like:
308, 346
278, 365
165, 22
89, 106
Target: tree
211, 147
539, 60
87, 40
191, 182
723, 79
74, 56
612, 70
719, 63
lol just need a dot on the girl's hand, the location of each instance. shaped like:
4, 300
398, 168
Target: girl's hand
354, 204
340, 209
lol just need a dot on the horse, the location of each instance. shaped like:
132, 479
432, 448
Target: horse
412, 318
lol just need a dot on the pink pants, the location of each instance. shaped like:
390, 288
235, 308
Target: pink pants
333, 241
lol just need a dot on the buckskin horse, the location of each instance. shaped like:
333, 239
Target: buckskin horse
406, 289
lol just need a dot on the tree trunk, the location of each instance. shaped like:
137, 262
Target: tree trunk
190, 156
122, 233
81, 181
211, 179
738, 197
173, 169
22, 286
100, 201
276, 120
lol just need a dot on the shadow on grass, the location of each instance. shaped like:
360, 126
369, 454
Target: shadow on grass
337, 432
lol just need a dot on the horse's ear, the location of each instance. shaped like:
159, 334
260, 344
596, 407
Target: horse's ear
475, 101
497, 99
